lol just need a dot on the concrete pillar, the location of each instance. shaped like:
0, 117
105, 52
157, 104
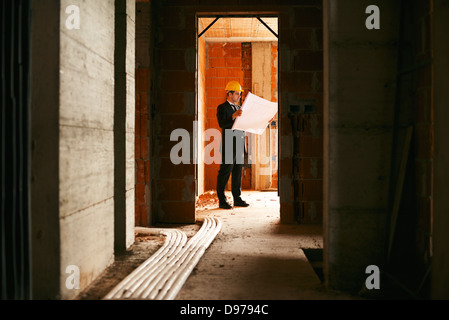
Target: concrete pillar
358, 119
124, 124
86, 142
440, 262
45, 239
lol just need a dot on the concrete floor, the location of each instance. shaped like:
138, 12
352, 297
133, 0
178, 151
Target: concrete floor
256, 258
253, 257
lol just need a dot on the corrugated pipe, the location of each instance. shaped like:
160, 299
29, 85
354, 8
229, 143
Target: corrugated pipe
164, 273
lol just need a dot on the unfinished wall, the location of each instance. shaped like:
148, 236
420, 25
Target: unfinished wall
84, 158
224, 64
410, 254
300, 58
173, 186
358, 124
44, 198
440, 262
142, 117
201, 117
86, 123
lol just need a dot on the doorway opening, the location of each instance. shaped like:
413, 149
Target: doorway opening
243, 49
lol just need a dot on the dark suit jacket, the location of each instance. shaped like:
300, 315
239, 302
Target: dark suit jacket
225, 121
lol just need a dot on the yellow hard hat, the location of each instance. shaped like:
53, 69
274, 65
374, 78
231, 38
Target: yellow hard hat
234, 86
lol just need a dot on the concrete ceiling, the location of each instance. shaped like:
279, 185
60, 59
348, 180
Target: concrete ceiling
238, 29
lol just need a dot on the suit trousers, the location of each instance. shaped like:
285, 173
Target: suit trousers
223, 176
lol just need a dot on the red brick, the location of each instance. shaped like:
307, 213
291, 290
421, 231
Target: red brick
176, 39
311, 212
140, 174
172, 59
172, 102
213, 103
308, 17
297, 81
170, 122
178, 81
168, 170
308, 61
311, 168
137, 124
140, 194
233, 62
137, 216
287, 212
144, 126
219, 83
143, 102
147, 170
144, 146
176, 212
235, 74
143, 79
236, 52
217, 62
171, 190
138, 154
222, 72
215, 53
311, 190
311, 146
211, 72
215, 93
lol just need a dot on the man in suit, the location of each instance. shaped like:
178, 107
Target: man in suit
232, 147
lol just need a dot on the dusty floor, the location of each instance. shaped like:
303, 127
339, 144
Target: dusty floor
253, 257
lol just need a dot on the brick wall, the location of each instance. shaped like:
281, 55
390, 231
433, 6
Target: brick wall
142, 122
224, 64
300, 77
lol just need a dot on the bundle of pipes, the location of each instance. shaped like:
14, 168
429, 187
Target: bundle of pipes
165, 272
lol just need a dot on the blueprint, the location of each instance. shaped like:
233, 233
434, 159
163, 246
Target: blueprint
257, 112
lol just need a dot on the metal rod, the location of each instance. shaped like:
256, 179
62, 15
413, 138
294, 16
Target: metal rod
216, 19
263, 22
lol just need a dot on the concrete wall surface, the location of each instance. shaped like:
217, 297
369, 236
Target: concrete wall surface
86, 144
358, 124
440, 267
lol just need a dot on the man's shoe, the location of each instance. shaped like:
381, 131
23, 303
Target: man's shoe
224, 205
240, 203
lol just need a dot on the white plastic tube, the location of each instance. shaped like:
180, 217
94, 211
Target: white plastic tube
164, 273
172, 238
177, 281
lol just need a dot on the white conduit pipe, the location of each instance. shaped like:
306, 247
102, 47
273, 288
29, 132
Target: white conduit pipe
192, 246
177, 281
149, 273
172, 238
118, 290
173, 262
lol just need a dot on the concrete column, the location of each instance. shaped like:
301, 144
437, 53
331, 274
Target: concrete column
358, 119
86, 143
440, 262
45, 239
124, 124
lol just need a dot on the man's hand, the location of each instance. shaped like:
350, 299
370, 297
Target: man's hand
238, 113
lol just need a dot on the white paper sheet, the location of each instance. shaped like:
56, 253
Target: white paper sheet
257, 112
